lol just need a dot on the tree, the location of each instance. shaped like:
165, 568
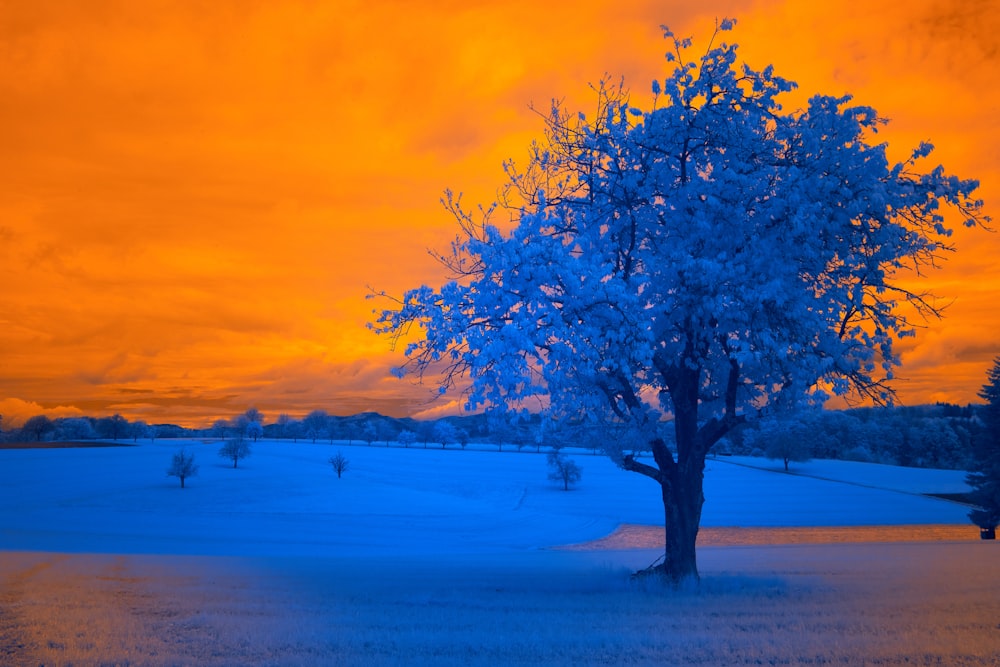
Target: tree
284, 420
563, 469
253, 430
219, 428
74, 428
316, 424
985, 475
370, 432
445, 433
254, 415
709, 259
235, 449
112, 427
785, 441
340, 463
38, 426
138, 429
182, 466
406, 437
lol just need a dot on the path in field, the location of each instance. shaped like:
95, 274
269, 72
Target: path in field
632, 536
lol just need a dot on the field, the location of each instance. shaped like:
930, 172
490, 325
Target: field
473, 557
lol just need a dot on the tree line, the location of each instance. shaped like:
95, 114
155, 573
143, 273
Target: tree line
929, 436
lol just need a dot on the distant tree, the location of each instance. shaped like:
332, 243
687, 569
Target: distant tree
710, 257
387, 432
462, 436
74, 428
112, 427
254, 430
425, 432
445, 433
985, 475
316, 424
254, 415
283, 421
785, 440
370, 432
220, 427
235, 449
340, 463
138, 429
182, 466
38, 427
406, 437
498, 427
295, 430
119, 426
563, 469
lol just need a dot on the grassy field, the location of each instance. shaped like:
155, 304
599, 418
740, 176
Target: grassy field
884, 604
430, 557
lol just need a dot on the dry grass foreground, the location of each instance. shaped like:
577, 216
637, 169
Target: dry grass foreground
845, 604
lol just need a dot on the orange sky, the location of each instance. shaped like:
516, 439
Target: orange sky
194, 196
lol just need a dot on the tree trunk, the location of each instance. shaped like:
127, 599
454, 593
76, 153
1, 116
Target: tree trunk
682, 503
182, 481
681, 488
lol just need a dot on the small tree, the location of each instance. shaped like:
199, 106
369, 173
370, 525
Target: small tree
182, 466
785, 441
235, 449
445, 433
406, 437
340, 463
985, 475
254, 430
563, 469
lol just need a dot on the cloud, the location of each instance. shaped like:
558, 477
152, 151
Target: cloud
16, 411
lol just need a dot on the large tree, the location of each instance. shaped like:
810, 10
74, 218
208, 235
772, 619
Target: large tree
670, 273
985, 475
